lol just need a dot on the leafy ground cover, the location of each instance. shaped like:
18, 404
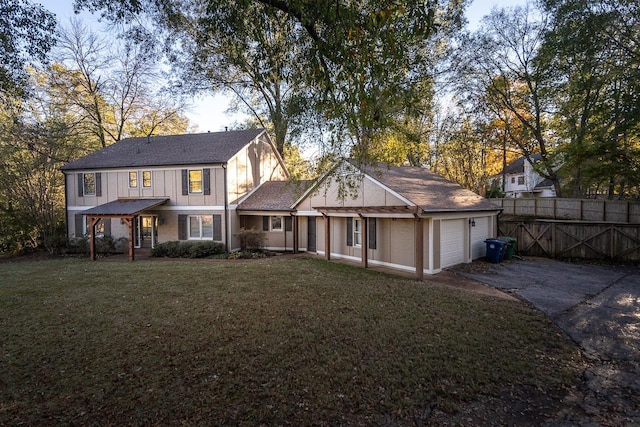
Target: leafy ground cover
284, 340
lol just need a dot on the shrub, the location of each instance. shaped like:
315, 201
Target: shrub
175, 249
251, 240
80, 245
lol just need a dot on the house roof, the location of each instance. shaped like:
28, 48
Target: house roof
274, 196
125, 206
202, 148
428, 190
517, 166
546, 183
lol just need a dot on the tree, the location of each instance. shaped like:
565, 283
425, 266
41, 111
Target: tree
593, 59
112, 89
361, 66
498, 73
26, 36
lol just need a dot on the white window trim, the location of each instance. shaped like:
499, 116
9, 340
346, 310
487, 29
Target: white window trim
84, 188
200, 227
281, 223
129, 179
201, 181
150, 179
85, 227
357, 232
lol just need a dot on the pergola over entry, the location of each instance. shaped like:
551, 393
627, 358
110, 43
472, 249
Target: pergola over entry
125, 209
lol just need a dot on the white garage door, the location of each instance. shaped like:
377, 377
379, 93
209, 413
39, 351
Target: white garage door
479, 234
452, 242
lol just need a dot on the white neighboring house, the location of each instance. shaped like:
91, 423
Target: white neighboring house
522, 180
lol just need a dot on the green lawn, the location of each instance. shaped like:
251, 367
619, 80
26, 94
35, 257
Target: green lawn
285, 340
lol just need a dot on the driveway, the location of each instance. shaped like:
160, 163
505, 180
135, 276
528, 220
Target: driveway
599, 307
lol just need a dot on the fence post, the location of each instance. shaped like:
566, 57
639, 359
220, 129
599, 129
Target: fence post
612, 230
555, 208
553, 240
604, 211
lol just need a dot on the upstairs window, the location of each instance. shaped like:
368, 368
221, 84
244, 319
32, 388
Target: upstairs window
89, 184
133, 179
146, 179
195, 181
521, 180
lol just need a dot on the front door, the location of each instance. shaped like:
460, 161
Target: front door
146, 231
311, 234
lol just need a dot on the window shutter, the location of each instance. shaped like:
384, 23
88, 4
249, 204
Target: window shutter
182, 227
80, 185
288, 223
349, 231
98, 184
206, 181
265, 223
185, 182
217, 227
79, 223
371, 230
107, 226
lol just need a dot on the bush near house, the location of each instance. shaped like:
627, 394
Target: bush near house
176, 249
251, 240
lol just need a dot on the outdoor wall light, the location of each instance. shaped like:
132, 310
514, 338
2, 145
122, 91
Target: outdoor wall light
472, 222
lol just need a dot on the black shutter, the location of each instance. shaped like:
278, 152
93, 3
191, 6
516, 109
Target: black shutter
182, 227
107, 226
98, 184
78, 220
206, 178
80, 185
217, 227
349, 231
288, 223
265, 223
371, 230
185, 182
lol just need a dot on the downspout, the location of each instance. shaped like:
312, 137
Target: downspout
226, 210
66, 206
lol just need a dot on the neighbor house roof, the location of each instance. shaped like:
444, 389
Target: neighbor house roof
517, 166
202, 148
274, 196
428, 190
125, 206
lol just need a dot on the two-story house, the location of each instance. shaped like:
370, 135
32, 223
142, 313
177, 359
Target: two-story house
522, 180
161, 188
208, 186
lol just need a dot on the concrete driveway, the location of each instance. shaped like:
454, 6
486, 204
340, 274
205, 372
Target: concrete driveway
599, 307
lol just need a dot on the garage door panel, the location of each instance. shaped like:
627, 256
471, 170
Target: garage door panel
451, 242
479, 234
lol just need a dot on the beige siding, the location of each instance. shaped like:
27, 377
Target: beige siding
479, 234
254, 164
367, 193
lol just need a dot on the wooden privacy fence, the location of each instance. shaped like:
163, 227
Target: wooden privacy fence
618, 211
574, 239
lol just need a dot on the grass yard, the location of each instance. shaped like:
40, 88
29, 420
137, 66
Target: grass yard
285, 340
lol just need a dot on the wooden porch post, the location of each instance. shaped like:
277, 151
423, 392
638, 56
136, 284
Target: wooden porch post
129, 221
327, 237
93, 220
296, 238
419, 237
364, 248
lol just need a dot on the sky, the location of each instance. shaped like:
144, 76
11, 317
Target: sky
209, 113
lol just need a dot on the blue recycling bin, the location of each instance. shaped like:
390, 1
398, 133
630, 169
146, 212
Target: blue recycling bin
495, 249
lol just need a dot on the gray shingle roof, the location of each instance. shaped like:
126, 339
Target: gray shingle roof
274, 196
428, 190
517, 166
202, 148
125, 206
